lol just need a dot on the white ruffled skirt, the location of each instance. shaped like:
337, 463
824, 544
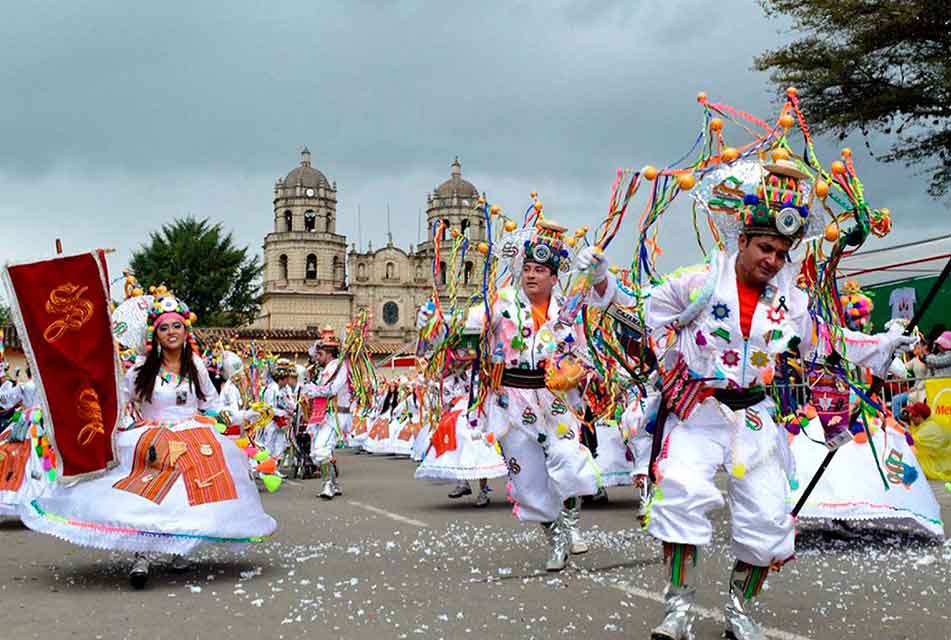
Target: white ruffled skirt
156, 511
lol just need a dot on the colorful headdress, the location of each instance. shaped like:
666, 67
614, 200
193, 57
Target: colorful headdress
328, 339
165, 307
762, 198
547, 245
231, 364
283, 367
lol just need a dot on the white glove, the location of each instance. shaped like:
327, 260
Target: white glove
424, 315
250, 417
592, 259
897, 339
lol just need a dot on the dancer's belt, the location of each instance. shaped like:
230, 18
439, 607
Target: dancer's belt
523, 378
737, 399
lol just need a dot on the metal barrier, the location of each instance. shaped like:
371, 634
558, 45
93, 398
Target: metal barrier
798, 393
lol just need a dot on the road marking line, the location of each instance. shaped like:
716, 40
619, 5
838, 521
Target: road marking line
703, 612
388, 514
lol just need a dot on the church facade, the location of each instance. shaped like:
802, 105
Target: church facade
311, 279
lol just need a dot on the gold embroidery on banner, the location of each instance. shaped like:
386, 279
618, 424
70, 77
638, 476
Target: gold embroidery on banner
66, 300
90, 412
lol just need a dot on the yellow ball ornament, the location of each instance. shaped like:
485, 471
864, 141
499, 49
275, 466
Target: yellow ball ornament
702, 97
650, 172
832, 232
786, 121
510, 225
822, 188
716, 124
483, 248
538, 205
571, 242
730, 154
686, 181
778, 154
838, 167
495, 210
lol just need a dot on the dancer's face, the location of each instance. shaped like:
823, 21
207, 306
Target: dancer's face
324, 357
538, 280
761, 257
171, 334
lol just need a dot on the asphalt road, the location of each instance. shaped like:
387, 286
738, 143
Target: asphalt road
394, 558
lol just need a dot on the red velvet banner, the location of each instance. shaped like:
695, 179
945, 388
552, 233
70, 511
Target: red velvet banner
61, 307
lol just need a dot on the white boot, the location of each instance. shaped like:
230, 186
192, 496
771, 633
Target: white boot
326, 473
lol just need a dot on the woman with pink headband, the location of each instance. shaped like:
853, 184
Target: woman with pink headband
179, 483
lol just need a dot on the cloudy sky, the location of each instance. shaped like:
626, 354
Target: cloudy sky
116, 117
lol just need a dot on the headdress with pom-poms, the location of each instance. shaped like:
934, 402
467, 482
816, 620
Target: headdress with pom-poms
165, 303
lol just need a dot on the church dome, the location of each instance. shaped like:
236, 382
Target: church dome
306, 175
455, 185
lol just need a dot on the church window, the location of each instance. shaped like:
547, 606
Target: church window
391, 313
467, 273
339, 273
362, 271
442, 273
288, 220
311, 267
419, 272
464, 227
310, 221
329, 224
283, 263
390, 270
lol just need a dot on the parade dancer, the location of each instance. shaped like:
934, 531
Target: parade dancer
178, 484
330, 418
274, 437
530, 349
718, 329
232, 369
458, 449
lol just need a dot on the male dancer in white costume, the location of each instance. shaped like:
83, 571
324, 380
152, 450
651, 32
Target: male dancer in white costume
718, 330
332, 388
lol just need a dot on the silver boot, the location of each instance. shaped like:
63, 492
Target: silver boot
557, 536
678, 619
681, 561
571, 516
746, 581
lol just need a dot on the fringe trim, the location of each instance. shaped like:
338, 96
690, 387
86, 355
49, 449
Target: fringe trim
100, 536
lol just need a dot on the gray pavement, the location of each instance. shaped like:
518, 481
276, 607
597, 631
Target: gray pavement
394, 558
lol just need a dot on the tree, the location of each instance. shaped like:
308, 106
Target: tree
5, 316
204, 268
873, 65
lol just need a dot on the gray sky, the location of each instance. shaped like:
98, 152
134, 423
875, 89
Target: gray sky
118, 117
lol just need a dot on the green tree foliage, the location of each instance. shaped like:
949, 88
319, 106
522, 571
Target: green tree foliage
873, 65
204, 268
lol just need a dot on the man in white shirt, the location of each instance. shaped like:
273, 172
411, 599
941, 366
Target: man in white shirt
332, 397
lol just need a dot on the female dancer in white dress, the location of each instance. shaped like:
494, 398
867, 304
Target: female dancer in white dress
179, 484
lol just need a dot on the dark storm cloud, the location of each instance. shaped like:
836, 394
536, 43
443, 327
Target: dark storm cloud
126, 115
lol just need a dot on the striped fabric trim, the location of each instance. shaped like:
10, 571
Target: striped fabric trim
679, 557
197, 455
151, 481
13, 459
